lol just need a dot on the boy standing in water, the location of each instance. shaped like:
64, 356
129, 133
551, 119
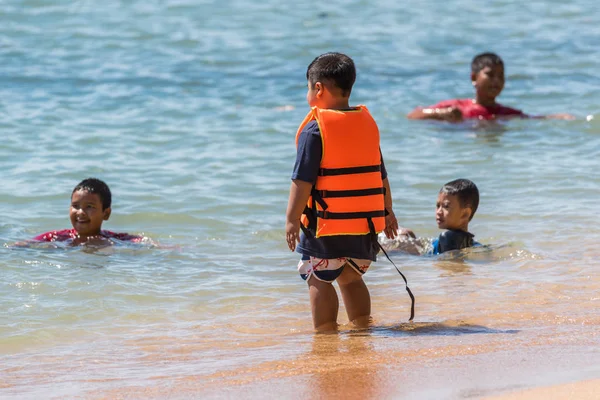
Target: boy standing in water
90, 207
487, 77
340, 196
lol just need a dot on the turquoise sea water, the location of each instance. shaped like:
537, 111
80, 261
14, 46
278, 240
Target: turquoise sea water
188, 110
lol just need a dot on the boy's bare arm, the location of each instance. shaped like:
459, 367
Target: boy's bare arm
391, 223
553, 116
299, 194
450, 114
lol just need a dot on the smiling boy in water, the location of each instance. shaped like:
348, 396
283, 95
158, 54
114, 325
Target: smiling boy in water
90, 207
456, 205
487, 77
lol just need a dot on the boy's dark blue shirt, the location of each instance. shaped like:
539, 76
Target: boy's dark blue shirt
453, 240
306, 168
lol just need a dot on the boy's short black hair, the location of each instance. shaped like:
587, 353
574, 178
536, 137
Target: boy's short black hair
466, 192
93, 185
336, 68
485, 60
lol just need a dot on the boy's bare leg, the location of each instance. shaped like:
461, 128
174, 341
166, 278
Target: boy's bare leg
324, 304
356, 297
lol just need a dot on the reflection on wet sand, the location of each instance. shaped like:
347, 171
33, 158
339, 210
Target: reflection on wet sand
342, 367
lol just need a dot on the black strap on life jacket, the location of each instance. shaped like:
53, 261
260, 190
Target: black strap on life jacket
349, 170
351, 215
312, 222
412, 297
350, 193
318, 196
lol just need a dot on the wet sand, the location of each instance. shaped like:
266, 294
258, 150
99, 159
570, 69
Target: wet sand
382, 363
584, 390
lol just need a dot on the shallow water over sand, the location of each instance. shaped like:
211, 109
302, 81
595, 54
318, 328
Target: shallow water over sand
188, 110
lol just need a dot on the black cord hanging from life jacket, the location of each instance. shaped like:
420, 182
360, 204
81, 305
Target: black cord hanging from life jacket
412, 297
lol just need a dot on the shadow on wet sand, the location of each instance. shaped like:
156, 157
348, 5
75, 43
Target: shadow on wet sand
429, 329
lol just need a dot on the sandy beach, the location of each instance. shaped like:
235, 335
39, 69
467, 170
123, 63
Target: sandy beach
584, 390
365, 365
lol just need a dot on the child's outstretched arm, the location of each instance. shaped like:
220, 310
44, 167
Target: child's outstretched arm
553, 116
299, 194
450, 114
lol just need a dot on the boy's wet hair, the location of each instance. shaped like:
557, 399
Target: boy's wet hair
485, 60
466, 192
93, 185
333, 68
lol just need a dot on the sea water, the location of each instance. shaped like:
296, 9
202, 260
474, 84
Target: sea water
188, 110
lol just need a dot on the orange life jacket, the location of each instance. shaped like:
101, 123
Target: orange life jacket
348, 196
